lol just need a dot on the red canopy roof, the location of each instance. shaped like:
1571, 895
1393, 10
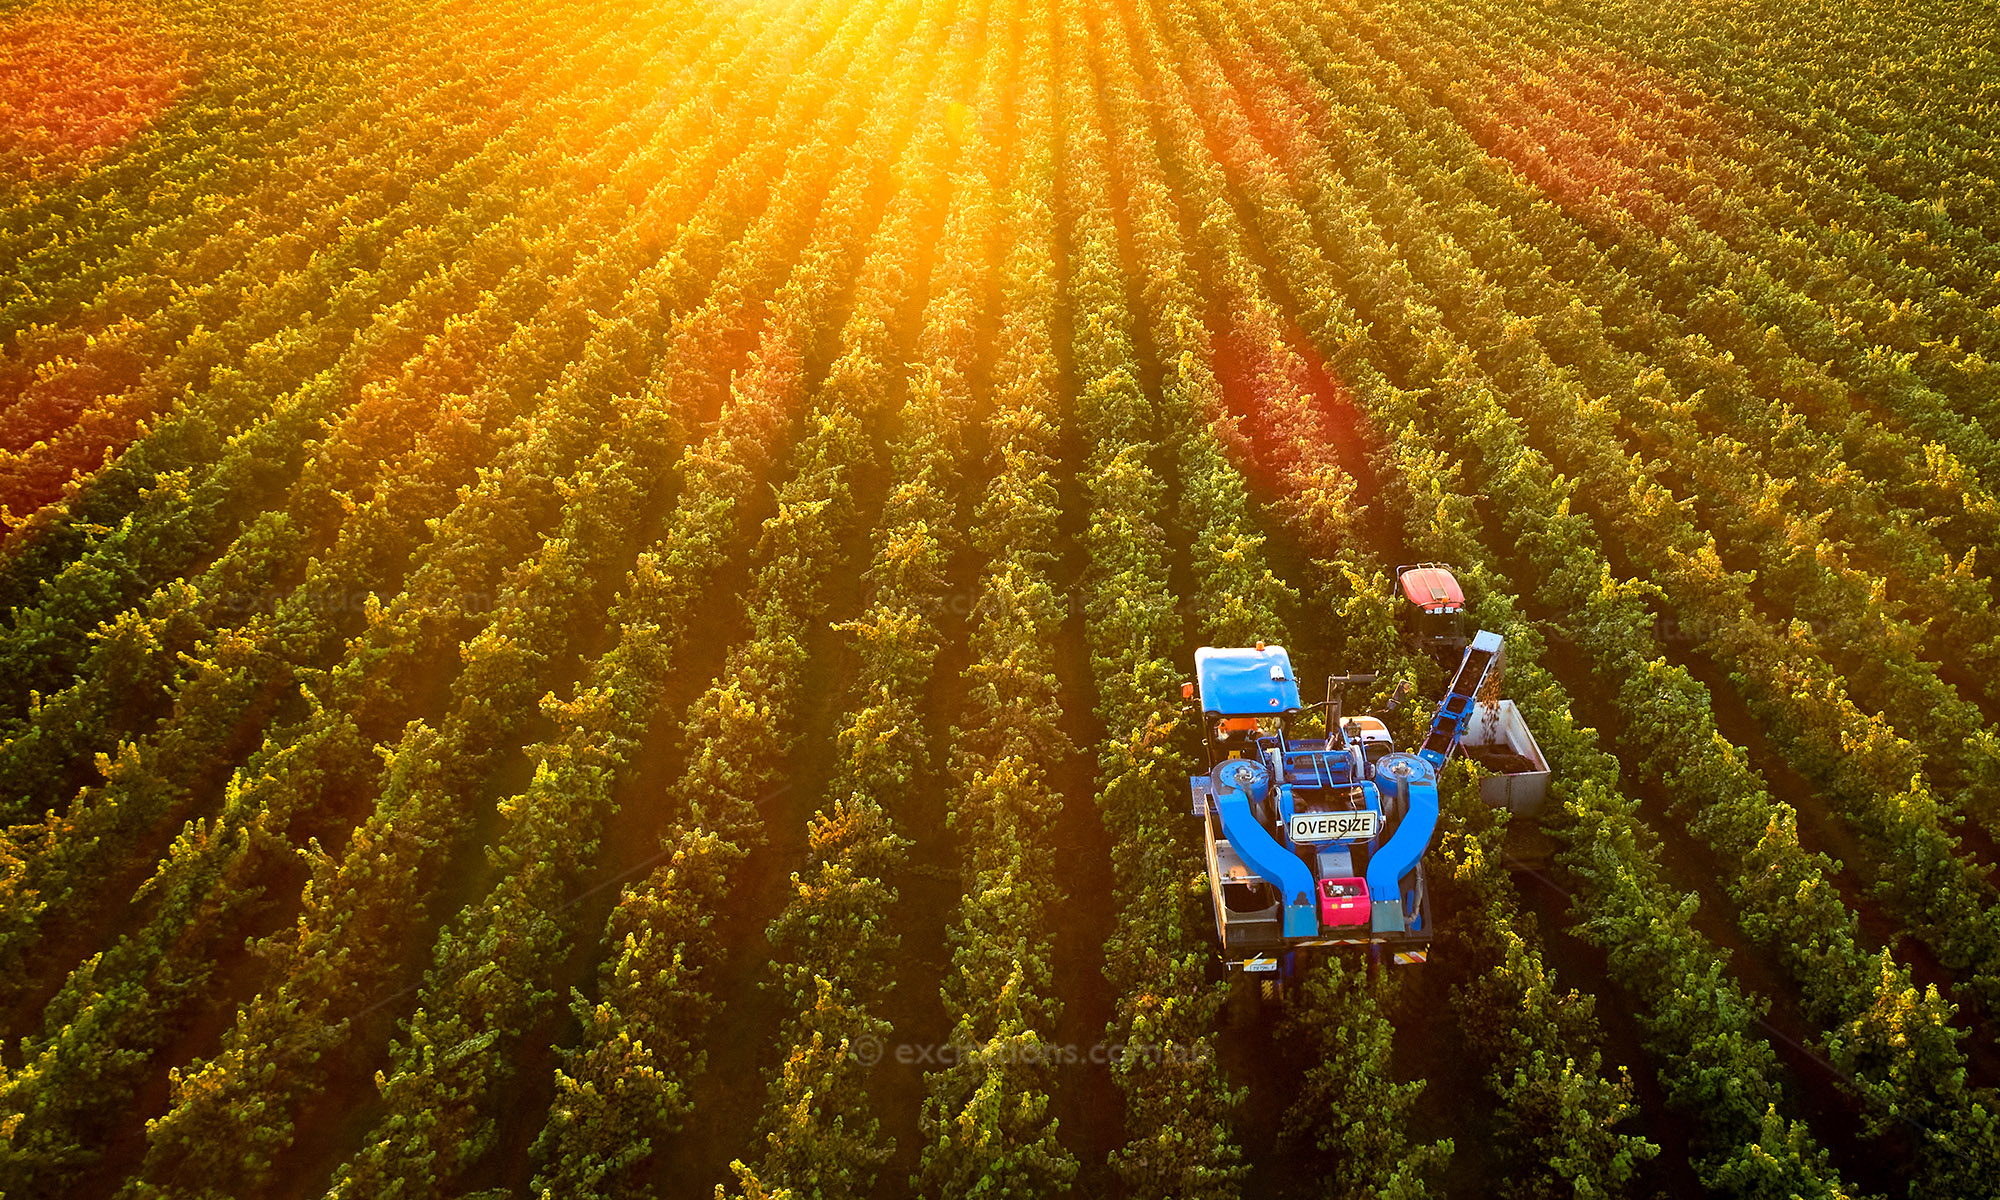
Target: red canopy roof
1432, 588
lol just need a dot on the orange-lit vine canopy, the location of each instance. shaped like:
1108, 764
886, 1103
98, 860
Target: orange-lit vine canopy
78, 80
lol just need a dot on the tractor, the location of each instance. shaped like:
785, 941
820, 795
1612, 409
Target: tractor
1433, 611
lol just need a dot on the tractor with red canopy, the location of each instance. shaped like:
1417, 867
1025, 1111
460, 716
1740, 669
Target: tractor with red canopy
1433, 611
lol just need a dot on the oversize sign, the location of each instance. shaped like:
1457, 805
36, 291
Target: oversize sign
1335, 826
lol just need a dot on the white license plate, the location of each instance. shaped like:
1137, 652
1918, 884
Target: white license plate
1335, 826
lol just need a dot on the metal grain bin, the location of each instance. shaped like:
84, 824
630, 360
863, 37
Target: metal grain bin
1499, 740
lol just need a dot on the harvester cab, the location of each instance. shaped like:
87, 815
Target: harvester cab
1317, 838
1433, 611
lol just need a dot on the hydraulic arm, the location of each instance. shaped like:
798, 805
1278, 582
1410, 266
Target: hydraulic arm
1239, 784
1413, 782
